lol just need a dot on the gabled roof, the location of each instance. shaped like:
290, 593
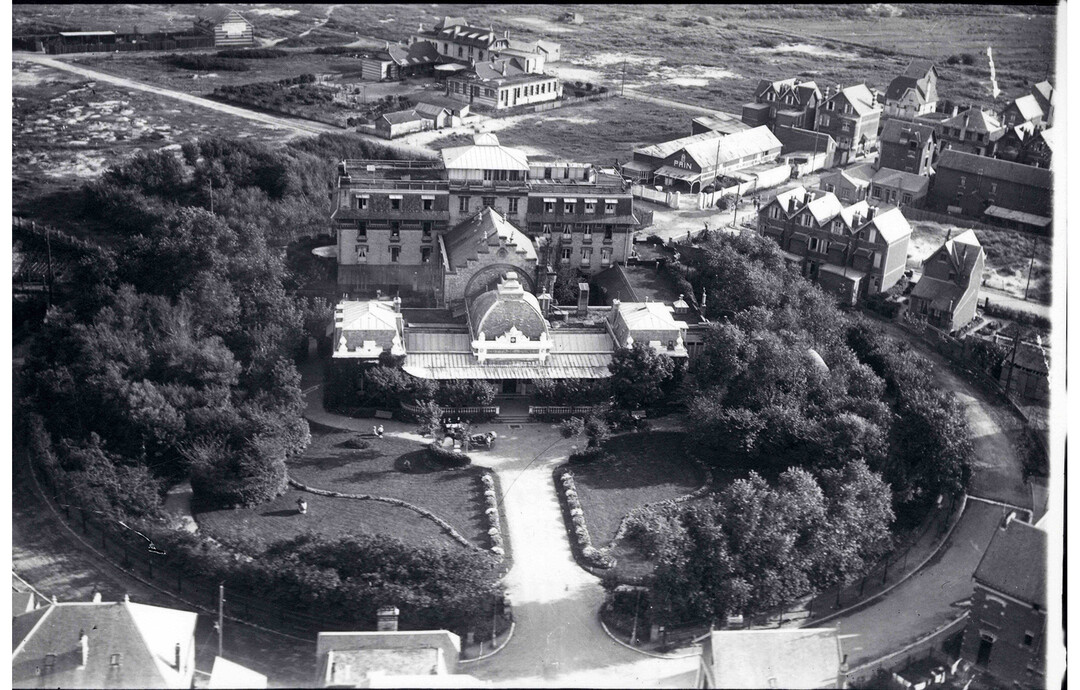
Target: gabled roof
942, 295
899, 179
430, 110
801, 91
1015, 563
994, 168
975, 120
860, 209
920, 77
226, 674
220, 13
144, 638
712, 152
547, 46
366, 316
482, 233
891, 224
784, 198
918, 69
1044, 93
1028, 107
485, 153
778, 658
1050, 137
859, 175
419, 53
824, 208
860, 98
402, 116
962, 252
456, 29
900, 132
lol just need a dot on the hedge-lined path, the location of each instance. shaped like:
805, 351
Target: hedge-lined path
558, 639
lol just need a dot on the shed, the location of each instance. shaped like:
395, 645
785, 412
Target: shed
227, 26
401, 123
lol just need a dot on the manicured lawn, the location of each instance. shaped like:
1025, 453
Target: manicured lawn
454, 495
256, 528
644, 468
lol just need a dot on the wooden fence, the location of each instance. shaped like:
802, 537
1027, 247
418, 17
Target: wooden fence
55, 47
669, 199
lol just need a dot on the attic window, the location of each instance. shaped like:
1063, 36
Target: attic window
114, 660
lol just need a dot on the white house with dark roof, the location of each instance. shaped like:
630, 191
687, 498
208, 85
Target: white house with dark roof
505, 82
695, 161
914, 92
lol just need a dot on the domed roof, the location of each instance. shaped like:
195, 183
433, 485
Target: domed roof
495, 312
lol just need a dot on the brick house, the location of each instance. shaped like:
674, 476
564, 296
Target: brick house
788, 102
907, 146
851, 116
914, 92
993, 190
948, 292
849, 184
1006, 630
971, 131
852, 251
1023, 109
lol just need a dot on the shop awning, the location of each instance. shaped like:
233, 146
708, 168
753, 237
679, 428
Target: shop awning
677, 173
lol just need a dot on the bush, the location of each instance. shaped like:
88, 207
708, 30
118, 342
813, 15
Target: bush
429, 417
572, 427
252, 53
203, 63
1023, 318
356, 443
570, 392
881, 304
465, 393
223, 477
589, 455
448, 457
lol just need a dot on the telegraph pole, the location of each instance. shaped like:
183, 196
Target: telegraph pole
210, 184
220, 619
622, 84
1031, 266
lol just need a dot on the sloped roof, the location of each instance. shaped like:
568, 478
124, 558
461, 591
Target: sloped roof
458, 30
918, 78
480, 233
226, 674
1044, 93
891, 224
784, 198
485, 153
393, 649
859, 175
366, 317
859, 208
976, 120
709, 152
918, 68
898, 131
825, 207
430, 110
419, 53
495, 312
1015, 563
796, 87
220, 13
402, 116
778, 658
907, 181
942, 295
1028, 107
144, 637
547, 46
995, 168
1051, 138
860, 98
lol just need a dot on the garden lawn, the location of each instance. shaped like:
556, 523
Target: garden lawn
644, 468
454, 495
253, 529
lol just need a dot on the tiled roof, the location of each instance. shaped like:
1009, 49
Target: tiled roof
917, 78
942, 295
917, 69
482, 232
891, 224
419, 53
899, 179
860, 98
994, 168
430, 111
402, 116
791, 658
975, 120
1015, 563
712, 152
144, 637
1044, 92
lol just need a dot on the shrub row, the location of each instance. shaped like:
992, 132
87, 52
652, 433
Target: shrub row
491, 510
597, 558
589, 455
1021, 317
252, 53
203, 63
634, 516
448, 457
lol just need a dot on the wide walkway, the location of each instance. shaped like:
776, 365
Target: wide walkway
558, 639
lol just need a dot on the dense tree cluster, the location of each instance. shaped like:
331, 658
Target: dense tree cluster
385, 385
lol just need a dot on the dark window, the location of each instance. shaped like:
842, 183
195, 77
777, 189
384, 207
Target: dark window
489, 201
463, 203
429, 204
426, 225
395, 204
395, 254
395, 229
361, 229
114, 660
425, 254
1029, 639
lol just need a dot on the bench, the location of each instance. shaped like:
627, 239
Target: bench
383, 414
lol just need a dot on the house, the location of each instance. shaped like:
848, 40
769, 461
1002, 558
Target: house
898, 188
914, 92
1012, 145
972, 131
1026, 372
1006, 630
789, 102
573, 18
503, 83
227, 26
1044, 94
778, 658
354, 659
907, 146
458, 110
695, 161
948, 292
1023, 109
850, 184
453, 38
816, 147
993, 191
118, 644
439, 116
402, 122
397, 62
1028, 144
227, 674
851, 251
718, 122
851, 116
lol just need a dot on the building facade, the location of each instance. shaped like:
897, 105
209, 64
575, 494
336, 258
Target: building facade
227, 26
914, 92
851, 117
503, 83
980, 187
907, 146
454, 39
948, 292
973, 131
852, 251
788, 102
696, 161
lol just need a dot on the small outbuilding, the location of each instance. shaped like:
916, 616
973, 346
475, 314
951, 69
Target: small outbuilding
227, 26
403, 122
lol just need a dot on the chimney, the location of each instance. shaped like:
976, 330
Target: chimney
583, 299
97, 597
1008, 519
791, 205
387, 619
176, 656
397, 304
84, 648
127, 598
545, 302
870, 211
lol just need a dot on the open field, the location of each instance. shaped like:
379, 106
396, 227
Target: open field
1008, 255
596, 132
454, 495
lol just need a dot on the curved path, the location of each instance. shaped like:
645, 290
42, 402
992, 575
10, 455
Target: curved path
558, 639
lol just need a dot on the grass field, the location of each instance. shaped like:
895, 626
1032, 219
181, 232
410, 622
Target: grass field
454, 495
644, 468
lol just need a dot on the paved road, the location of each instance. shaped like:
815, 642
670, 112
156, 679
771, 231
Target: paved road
296, 125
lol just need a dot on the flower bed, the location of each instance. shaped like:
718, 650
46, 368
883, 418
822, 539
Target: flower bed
580, 540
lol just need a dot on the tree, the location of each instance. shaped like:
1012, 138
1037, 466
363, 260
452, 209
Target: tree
637, 373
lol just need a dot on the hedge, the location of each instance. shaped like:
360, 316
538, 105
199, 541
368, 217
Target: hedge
447, 456
1021, 317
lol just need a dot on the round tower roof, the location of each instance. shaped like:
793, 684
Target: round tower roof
495, 312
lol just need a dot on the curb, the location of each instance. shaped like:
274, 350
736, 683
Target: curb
513, 625
642, 651
916, 569
908, 646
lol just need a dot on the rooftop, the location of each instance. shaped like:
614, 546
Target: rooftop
792, 658
995, 168
1015, 562
485, 153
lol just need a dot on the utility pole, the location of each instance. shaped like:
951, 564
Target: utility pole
622, 84
48, 250
1012, 363
1031, 266
220, 619
210, 184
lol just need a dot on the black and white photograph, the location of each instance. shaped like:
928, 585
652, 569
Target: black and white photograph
539, 345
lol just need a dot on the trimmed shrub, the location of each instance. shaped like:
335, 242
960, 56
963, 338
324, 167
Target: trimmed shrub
448, 457
589, 455
575, 426
465, 393
356, 443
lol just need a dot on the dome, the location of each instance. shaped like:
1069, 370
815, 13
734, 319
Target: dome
495, 312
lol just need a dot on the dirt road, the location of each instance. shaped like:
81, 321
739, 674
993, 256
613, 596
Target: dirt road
296, 125
699, 109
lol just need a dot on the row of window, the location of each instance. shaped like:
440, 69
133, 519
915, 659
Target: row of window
395, 229
361, 203
395, 254
567, 229
836, 227
461, 51
586, 255
570, 206
528, 90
